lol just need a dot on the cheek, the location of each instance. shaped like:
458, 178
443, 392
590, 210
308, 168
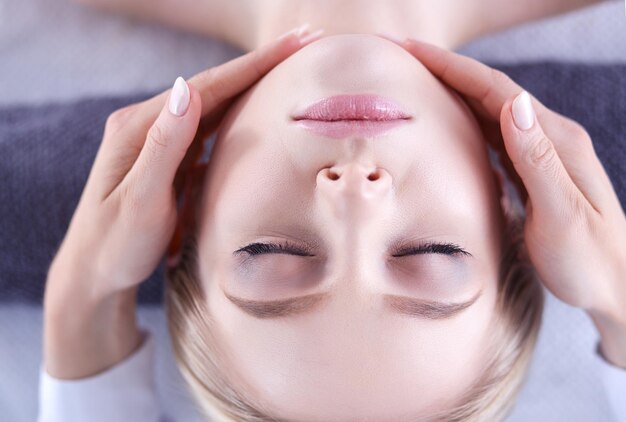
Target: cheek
236, 185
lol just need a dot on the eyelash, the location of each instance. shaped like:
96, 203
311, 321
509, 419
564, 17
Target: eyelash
266, 248
432, 248
291, 249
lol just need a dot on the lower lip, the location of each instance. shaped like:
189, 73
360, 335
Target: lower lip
344, 115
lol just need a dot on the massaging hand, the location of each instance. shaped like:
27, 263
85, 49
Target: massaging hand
127, 213
575, 229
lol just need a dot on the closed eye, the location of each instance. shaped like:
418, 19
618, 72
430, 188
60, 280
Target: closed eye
259, 248
278, 248
431, 248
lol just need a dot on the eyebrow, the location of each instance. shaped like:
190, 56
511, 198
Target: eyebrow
405, 305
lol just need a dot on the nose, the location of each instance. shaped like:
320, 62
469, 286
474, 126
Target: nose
354, 186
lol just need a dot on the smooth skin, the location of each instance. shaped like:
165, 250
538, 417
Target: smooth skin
575, 229
127, 215
350, 202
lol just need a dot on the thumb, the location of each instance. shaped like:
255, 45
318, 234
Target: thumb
167, 141
551, 191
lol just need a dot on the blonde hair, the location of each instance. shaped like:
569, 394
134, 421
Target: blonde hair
519, 308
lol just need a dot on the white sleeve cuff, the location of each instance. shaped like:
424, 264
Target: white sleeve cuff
125, 392
614, 380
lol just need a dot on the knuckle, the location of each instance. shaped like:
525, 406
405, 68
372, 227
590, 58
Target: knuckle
217, 89
497, 79
446, 69
116, 120
541, 154
578, 134
256, 61
577, 141
156, 140
213, 84
207, 75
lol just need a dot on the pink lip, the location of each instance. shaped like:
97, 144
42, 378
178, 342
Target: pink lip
345, 115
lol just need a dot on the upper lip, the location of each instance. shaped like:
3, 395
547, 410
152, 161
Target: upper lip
360, 107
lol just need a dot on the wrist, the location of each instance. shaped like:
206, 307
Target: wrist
612, 338
86, 332
70, 277
610, 318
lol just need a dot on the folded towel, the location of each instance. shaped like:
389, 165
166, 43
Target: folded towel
46, 153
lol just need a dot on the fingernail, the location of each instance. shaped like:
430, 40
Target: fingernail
311, 37
523, 113
179, 97
299, 31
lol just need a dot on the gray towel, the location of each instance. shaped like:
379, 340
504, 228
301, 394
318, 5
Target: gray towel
46, 153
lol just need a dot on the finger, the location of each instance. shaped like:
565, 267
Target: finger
488, 87
191, 193
493, 134
221, 83
551, 191
166, 143
487, 90
126, 128
194, 153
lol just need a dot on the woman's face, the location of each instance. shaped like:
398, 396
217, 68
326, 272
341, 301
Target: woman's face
372, 311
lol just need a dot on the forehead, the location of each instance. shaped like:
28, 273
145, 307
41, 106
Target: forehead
353, 364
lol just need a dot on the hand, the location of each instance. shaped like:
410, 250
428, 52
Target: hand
575, 229
127, 213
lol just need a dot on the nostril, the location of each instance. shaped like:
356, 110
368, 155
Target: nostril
335, 174
332, 175
375, 175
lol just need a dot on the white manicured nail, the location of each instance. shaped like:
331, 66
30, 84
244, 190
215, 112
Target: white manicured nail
523, 113
179, 97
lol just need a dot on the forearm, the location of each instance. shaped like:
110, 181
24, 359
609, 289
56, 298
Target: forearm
85, 334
